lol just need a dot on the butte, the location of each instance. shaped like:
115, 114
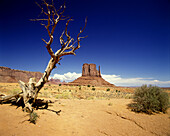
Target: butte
90, 76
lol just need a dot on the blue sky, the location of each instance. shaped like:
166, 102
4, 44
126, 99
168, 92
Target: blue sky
130, 40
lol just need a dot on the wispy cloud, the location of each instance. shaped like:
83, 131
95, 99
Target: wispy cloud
115, 79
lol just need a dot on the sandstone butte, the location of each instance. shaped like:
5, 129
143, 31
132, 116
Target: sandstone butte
90, 76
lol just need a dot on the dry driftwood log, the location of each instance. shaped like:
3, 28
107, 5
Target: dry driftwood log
51, 17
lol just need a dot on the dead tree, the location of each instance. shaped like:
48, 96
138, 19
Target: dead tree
51, 17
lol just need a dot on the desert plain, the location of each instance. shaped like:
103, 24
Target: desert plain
81, 111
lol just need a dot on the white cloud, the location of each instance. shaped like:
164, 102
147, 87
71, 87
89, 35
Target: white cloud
67, 76
119, 81
115, 79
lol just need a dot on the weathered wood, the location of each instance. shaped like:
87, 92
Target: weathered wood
8, 97
51, 18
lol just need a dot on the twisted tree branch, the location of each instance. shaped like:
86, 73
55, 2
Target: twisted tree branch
52, 17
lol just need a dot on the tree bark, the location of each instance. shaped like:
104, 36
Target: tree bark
52, 17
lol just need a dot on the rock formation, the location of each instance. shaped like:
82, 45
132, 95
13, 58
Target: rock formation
56, 81
90, 76
90, 70
8, 75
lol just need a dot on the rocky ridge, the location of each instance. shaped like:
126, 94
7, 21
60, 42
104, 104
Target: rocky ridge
8, 75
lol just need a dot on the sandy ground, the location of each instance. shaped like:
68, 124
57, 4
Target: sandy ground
84, 118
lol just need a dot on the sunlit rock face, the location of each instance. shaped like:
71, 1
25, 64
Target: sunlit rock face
8, 75
90, 76
90, 70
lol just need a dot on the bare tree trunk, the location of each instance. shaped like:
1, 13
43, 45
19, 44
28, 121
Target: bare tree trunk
31, 89
44, 79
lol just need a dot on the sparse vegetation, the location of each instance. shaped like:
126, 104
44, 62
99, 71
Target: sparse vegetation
45, 94
88, 85
90, 98
46, 88
59, 84
110, 104
117, 91
80, 87
73, 92
14, 91
33, 117
108, 89
128, 96
93, 89
64, 95
150, 99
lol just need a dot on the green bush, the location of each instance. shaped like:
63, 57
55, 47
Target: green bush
88, 85
59, 84
117, 91
79, 87
93, 89
46, 88
108, 89
150, 99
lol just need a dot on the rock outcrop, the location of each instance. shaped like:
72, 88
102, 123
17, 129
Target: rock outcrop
90, 76
56, 81
8, 75
90, 70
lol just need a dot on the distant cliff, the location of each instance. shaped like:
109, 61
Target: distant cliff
8, 75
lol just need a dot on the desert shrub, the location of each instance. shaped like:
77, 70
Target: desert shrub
46, 88
108, 89
128, 96
79, 87
117, 91
88, 85
59, 84
90, 98
150, 99
33, 117
93, 89
110, 104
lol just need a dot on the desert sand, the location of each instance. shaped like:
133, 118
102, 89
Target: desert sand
84, 118
104, 114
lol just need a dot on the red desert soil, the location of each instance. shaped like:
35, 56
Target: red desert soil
84, 118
